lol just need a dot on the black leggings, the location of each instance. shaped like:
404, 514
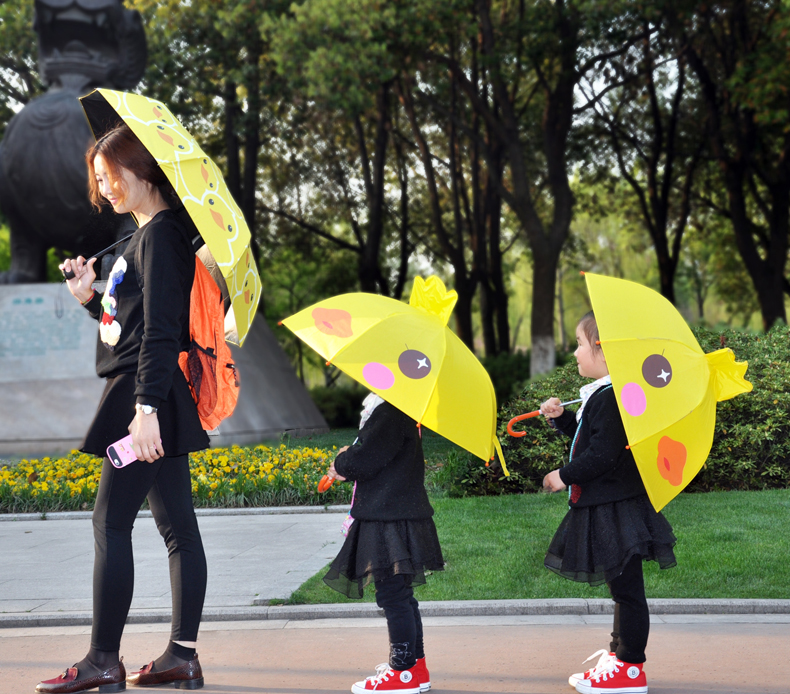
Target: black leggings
395, 596
168, 487
631, 614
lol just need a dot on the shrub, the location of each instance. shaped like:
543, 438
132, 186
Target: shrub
339, 405
751, 446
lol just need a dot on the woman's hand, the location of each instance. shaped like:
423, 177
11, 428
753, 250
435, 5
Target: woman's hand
84, 276
550, 409
146, 441
552, 482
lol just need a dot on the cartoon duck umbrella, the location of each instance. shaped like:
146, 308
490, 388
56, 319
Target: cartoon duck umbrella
666, 386
406, 354
199, 184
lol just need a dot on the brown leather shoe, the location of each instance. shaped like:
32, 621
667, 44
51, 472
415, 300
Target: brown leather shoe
189, 675
112, 680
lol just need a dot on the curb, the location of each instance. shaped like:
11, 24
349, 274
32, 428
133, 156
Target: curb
263, 511
449, 608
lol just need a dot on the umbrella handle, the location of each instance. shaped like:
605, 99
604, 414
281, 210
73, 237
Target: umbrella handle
513, 421
324, 484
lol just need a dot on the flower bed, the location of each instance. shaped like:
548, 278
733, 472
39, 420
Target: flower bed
221, 477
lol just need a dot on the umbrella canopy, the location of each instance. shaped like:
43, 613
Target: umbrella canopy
666, 386
199, 184
406, 354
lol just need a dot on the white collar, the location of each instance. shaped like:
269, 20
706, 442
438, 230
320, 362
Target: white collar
370, 403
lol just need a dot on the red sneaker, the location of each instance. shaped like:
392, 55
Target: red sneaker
616, 677
605, 657
388, 680
421, 673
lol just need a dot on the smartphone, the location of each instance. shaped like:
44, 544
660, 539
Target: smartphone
121, 452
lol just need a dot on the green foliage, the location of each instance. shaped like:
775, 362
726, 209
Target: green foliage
508, 373
340, 405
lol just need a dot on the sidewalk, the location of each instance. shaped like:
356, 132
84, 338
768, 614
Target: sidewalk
246, 646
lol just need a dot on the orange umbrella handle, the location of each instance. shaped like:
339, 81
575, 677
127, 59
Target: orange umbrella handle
324, 484
510, 424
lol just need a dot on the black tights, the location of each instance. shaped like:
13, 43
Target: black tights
395, 596
631, 615
167, 485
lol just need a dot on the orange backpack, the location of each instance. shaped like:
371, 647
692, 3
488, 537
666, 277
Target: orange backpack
208, 366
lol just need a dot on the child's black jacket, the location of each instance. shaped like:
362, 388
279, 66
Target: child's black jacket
602, 469
388, 466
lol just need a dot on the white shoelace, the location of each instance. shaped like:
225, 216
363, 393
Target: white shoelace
608, 670
383, 672
603, 658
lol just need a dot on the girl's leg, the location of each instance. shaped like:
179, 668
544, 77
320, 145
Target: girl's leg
394, 596
631, 615
170, 499
419, 646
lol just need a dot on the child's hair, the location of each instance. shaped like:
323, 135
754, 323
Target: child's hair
589, 326
121, 149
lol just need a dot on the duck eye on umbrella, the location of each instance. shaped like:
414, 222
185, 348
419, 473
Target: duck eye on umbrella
414, 364
657, 371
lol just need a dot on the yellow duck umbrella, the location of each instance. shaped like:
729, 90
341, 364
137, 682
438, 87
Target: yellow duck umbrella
199, 184
406, 354
666, 386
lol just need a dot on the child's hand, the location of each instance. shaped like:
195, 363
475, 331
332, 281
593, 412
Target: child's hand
550, 409
331, 473
342, 450
552, 482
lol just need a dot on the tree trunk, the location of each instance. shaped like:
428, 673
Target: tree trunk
233, 178
544, 353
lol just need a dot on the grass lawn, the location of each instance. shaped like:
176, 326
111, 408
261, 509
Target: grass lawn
730, 545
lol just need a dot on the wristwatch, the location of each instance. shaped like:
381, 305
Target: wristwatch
145, 409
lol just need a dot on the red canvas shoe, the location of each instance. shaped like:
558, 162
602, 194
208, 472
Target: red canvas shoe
388, 680
616, 677
420, 671
605, 657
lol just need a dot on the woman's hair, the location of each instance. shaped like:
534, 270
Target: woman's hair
121, 149
590, 329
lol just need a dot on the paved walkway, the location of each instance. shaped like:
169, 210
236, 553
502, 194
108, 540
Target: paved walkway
248, 647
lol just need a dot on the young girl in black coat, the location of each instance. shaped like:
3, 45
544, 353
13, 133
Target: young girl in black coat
392, 540
611, 525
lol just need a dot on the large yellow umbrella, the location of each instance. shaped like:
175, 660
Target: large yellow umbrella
406, 354
666, 386
199, 184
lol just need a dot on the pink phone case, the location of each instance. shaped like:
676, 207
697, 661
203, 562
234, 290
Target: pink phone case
121, 452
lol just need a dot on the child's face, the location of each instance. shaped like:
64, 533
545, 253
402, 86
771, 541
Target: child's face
589, 358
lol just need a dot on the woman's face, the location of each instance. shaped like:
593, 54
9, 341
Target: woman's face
589, 358
138, 192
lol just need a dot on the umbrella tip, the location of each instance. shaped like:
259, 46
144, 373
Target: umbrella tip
581, 272
487, 463
279, 322
598, 342
628, 448
329, 363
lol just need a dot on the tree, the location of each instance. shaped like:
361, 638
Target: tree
739, 52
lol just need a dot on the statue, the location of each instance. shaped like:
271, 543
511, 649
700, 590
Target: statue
83, 44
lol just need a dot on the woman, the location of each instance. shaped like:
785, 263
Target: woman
144, 324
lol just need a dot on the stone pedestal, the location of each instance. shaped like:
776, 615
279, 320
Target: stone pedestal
49, 389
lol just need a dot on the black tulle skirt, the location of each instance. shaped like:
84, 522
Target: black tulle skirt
375, 550
594, 543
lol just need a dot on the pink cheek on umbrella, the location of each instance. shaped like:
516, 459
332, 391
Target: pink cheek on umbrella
633, 398
378, 376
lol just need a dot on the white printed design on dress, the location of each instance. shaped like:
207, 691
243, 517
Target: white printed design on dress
109, 328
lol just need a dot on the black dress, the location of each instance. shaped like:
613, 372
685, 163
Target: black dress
140, 338
610, 519
393, 530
